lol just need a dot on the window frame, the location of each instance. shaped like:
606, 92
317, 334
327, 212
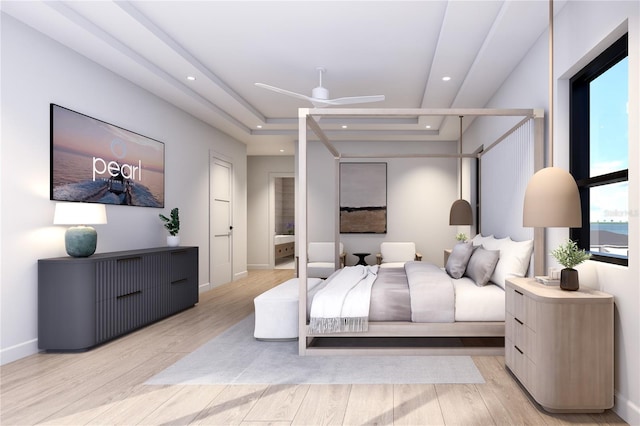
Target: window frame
579, 143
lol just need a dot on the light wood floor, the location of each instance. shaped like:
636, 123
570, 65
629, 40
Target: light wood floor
105, 385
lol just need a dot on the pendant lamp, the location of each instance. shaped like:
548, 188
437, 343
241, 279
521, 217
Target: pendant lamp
552, 198
460, 213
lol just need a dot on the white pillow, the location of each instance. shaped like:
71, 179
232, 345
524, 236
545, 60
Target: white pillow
479, 239
514, 259
492, 243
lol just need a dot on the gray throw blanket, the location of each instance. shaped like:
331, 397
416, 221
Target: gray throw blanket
432, 293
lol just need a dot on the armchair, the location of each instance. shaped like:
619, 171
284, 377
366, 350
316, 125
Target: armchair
394, 255
321, 263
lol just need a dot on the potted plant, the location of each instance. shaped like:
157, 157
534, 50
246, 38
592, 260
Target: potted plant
172, 224
461, 237
569, 256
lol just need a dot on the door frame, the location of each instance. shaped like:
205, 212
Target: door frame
215, 156
271, 229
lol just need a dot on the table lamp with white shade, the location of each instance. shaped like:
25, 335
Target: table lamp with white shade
80, 239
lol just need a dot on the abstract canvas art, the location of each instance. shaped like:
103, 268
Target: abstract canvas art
363, 198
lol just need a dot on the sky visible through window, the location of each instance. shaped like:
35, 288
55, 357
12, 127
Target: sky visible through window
609, 103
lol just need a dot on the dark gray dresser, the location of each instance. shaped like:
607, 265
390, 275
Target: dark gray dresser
83, 302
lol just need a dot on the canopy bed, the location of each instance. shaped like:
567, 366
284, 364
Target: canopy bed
463, 323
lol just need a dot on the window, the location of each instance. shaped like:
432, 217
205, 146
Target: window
599, 153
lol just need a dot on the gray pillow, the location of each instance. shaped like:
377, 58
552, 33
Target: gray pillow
458, 259
481, 265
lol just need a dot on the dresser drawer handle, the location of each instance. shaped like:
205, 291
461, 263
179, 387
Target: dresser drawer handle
518, 349
516, 291
181, 281
122, 296
127, 259
518, 321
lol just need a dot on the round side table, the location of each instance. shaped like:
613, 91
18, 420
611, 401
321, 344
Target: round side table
361, 257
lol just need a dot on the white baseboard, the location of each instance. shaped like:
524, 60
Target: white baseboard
627, 410
259, 266
19, 351
208, 286
204, 287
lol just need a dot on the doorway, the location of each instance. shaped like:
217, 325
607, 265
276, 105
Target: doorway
282, 220
221, 225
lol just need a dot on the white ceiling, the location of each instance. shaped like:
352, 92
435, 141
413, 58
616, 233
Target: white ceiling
400, 49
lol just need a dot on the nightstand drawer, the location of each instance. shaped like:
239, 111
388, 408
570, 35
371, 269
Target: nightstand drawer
518, 333
522, 307
516, 303
519, 364
515, 360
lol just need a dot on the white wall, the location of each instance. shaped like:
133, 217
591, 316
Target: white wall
37, 71
420, 192
260, 169
583, 29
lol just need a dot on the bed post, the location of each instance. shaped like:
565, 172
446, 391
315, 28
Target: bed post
301, 229
336, 237
539, 236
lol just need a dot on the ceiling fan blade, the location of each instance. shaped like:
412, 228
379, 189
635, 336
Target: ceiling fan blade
353, 100
284, 92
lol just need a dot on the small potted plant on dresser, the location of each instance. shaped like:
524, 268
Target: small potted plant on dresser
569, 256
172, 224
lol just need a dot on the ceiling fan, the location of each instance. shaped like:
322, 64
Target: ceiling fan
320, 95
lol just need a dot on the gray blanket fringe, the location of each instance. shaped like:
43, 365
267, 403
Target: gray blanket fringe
338, 325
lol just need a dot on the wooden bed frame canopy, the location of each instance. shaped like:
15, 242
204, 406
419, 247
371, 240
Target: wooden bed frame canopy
307, 120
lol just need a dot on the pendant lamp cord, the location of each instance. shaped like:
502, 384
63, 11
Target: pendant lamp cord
550, 119
460, 156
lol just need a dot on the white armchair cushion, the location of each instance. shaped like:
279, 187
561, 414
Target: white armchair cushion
320, 269
392, 264
321, 261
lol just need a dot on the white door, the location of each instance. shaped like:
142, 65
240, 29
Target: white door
221, 222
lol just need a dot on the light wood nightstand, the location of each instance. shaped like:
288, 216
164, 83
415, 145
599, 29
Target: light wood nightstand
447, 253
559, 345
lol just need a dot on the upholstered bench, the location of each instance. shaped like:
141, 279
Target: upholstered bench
277, 311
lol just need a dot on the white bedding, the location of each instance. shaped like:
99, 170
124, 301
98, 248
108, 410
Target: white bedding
474, 303
471, 303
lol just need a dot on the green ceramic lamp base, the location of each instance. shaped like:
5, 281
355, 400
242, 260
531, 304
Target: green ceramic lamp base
80, 241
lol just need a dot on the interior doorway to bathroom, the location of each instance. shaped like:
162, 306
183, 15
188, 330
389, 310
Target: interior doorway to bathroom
282, 220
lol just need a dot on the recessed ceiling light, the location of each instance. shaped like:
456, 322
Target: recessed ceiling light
446, 78
191, 78
259, 126
282, 150
344, 126
427, 126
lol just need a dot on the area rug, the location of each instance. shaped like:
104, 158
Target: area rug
235, 357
